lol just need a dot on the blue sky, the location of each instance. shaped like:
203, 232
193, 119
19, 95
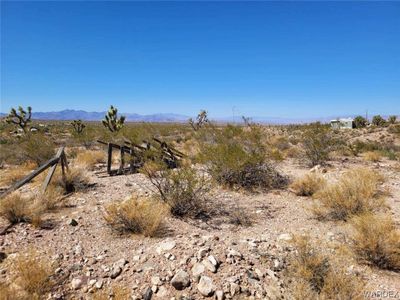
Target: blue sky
280, 59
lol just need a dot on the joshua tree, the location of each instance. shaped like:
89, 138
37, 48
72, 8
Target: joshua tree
360, 122
111, 120
392, 119
78, 126
20, 118
378, 120
201, 119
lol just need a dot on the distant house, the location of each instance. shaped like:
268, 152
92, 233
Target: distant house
347, 123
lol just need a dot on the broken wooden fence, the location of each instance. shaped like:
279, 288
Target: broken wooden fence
138, 154
52, 163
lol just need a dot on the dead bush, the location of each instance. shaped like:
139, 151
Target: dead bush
313, 275
308, 185
89, 158
237, 157
376, 241
184, 190
136, 215
33, 274
355, 193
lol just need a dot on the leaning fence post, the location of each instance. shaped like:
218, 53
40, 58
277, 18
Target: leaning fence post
109, 158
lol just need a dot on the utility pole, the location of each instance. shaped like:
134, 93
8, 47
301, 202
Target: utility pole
233, 114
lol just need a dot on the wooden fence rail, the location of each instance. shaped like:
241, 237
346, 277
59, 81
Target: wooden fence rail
51, 163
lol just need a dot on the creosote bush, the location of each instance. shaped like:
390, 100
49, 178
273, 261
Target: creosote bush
37, 147
136, 215
376, 241
236, 157
308, 185
355, 193
318, 143
184, 190
316, 276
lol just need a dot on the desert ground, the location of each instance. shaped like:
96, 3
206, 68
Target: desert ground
244, 244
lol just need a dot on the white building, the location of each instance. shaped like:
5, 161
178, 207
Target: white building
341, 123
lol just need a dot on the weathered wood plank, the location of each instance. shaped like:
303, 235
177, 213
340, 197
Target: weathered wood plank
51, 171
32, 175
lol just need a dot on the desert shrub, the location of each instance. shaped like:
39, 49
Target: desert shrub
37, 148
89, 158
373, 156
308, 185
49, 200
378, 121
136, 215
318, 143
360, 122
17, 209
376, 241
314, 275
75, 179
33, 274
183, 190
355, 193
237, 157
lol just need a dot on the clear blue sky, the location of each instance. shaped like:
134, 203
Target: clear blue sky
281, 59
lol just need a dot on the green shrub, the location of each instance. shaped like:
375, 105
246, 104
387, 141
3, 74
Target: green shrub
183, 190
318, 143
235, 156
37, 148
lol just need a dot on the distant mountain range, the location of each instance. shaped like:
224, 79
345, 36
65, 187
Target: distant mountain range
70, 114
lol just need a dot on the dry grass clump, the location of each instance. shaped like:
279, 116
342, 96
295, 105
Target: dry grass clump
12, 175
33, 275
376, 241
17, 209
355, 193
313, 275
308, 185
49, 200
373, 156
76, 179
183, 190
89, 158
136, 215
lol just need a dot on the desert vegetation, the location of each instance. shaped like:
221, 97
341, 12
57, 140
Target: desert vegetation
246, 210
